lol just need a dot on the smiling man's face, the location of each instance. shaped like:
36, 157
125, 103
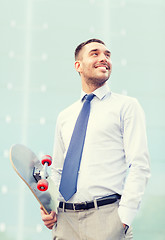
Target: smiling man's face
94, 64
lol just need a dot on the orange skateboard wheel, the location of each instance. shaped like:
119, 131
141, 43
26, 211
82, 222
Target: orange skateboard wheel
46, 159
42, 185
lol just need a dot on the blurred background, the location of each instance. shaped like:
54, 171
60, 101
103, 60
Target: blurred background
38, 80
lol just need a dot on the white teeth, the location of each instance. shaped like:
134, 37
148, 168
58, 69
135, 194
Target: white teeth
105, 67
101, 67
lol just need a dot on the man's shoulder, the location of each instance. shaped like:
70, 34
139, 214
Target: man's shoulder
123, 98
126, 104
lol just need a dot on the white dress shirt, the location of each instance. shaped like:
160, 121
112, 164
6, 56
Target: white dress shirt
115, 156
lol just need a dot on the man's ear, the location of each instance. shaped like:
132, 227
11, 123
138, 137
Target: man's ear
77, 66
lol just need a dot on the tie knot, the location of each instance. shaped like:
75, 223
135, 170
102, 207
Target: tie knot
89, 97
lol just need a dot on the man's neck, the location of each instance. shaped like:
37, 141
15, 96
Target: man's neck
89, 88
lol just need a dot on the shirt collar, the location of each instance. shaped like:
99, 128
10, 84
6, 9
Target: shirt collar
100, 92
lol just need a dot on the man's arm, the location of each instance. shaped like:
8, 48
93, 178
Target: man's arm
137, 158
58, 158
58, 154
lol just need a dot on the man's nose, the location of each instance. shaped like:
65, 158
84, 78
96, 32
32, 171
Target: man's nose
103, 58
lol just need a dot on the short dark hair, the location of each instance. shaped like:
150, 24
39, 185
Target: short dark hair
80, 46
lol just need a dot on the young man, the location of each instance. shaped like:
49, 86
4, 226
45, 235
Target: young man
114, 165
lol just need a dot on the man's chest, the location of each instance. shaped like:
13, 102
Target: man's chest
104, 125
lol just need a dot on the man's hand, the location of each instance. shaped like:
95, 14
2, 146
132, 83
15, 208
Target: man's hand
49, 220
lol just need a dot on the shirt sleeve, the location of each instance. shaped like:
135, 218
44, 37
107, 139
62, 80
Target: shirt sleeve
137, 159
58, 155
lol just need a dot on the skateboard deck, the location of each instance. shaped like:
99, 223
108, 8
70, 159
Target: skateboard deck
28, 167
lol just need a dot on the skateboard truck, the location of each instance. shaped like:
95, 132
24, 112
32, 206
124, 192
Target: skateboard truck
41, 176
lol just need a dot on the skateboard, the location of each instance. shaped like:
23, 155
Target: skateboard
35, 175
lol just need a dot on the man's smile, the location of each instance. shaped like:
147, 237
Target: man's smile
103, 66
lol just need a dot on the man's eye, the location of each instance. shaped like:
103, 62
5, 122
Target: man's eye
94, 54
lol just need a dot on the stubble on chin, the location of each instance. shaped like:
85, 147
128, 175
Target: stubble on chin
96, 82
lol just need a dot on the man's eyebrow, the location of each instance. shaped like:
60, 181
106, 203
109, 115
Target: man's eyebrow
107, 51
96, 50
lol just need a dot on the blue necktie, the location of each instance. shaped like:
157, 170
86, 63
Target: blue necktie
68, 185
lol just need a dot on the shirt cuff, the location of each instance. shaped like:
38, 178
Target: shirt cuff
127, 215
